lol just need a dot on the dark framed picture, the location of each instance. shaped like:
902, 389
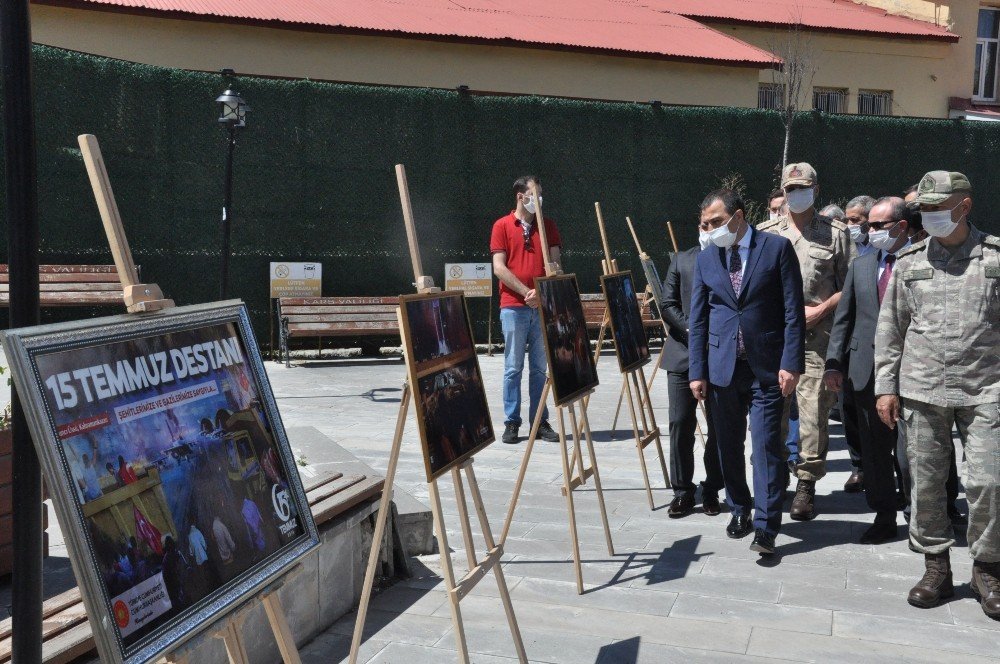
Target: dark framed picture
631, 343
168, 465
567, 346
447, 385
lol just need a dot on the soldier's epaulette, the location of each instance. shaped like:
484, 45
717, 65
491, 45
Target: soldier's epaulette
833, 222
912, 249
770, 223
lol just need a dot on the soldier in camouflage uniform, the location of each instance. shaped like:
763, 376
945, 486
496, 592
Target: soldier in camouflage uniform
824, 249
936, 364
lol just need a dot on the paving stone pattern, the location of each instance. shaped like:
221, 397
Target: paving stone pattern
676, 590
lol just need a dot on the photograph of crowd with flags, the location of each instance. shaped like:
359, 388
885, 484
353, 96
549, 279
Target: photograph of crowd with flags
180, 484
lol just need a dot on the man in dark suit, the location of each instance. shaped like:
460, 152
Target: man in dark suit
852, 348
683, 407
746, 345
852, 352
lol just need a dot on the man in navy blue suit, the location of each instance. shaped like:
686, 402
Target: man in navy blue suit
747, 328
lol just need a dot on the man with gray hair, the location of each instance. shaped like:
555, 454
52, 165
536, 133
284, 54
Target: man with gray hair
856, 218
833, 211
936, 346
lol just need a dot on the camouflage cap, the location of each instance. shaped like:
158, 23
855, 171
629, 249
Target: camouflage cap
798, 174
938, 186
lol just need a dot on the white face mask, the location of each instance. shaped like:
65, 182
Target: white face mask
529, 203
939, 223
704, 239
881, 240
856, 234
800, 200
771, 216
722, 237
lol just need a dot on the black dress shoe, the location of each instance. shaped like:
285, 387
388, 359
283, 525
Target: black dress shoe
510, 433
881, 531
547, 433
855, 482
739, 527
710, 504
681, 505
762, 543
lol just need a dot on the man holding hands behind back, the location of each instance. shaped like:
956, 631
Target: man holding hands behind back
746, 341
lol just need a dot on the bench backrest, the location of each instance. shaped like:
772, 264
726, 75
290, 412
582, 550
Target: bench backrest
339, 316
71, 285
594, 306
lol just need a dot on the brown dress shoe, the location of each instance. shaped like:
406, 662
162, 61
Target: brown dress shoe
681, 505
802, 505
936, 583
855, 482
986, 587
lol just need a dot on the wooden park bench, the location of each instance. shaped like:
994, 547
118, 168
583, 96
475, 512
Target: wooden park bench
594, 306
66, 633
71, 286
336, 317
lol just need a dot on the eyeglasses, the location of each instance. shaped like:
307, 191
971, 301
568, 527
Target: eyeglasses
526, 229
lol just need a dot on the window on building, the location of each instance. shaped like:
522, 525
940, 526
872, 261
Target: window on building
984, 83
770, 95
874, 102
830, 100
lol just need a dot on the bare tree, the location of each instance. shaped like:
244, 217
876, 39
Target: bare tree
793, 75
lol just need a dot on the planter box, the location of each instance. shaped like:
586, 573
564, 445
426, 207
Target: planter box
6, 498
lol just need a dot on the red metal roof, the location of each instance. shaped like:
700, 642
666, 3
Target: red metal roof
839, 15
619, 26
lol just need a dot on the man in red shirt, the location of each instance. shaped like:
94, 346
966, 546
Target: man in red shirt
517, 260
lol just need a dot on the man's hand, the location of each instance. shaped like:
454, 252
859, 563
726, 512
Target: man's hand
531, 298
787, 380
834, 380
699, 388
815, 313
887, 407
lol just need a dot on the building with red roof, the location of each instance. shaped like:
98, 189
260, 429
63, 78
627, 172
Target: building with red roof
695, 52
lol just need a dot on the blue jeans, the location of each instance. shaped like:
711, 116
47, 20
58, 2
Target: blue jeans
522, 330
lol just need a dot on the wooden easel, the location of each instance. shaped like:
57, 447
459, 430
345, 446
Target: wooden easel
666, 328
139, 298
148, 298
231, 634
574, 472
456, 590
644, 428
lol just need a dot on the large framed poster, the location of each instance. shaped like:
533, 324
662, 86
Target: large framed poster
447, 384
571, 365
631, 344
168, 465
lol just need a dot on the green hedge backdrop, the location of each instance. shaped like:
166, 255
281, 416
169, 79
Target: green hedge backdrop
314, 174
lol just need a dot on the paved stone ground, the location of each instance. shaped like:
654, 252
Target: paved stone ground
675, 590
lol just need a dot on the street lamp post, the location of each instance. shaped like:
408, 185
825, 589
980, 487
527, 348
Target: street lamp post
232, 114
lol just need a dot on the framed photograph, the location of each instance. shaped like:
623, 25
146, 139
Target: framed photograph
567, 346
654, 281
168, 465
445, 379
631, 343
